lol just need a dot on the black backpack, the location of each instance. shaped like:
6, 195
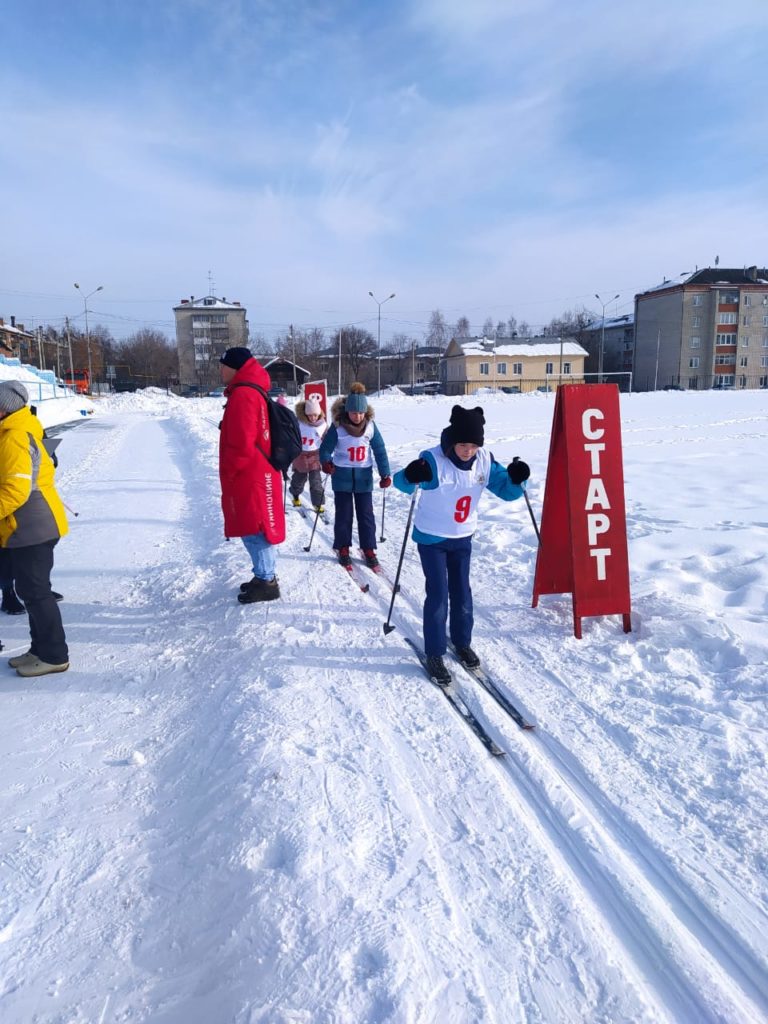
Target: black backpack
284, 430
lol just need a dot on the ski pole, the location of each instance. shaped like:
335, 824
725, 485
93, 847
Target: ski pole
317, 515
285, 487
70, 510
528, 503
387, 627
383, 510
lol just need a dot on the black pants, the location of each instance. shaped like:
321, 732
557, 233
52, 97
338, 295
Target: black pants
32, 570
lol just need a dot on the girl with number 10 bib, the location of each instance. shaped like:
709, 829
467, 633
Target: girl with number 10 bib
349, 449
452, 476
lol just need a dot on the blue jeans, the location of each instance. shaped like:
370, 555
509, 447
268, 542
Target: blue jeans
446, 568
263, 555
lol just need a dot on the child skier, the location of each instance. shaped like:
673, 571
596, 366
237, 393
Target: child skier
307, 465
452, 476
348, 452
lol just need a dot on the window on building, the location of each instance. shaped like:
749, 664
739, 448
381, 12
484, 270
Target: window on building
746, 321
724, 359
743, 361
693, 363
695, 321
747, 299
728, 318
726, 339
550, 368
693, 383
742, 382
697, 300
724, 378
695, 342
765, 321
501, 369
518, 369
485, 368
764, 360
745, 340
729, 297
567, 368
764, 382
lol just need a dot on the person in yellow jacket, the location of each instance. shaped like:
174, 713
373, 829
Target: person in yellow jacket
32, 520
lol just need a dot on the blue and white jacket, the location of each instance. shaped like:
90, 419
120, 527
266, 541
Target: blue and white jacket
353, 450
451, 497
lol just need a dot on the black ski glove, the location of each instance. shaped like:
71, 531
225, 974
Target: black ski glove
518, 471
418, 472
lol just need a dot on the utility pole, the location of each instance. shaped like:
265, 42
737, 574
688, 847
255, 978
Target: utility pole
293, 346
40, 346
69, 346
341, 335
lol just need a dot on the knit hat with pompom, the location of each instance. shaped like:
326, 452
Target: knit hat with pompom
356, 400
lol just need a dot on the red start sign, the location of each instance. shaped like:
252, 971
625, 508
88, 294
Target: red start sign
318, 389
583, 548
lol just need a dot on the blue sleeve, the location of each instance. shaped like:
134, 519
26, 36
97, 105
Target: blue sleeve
405, 485
500, 484
328, 447
380, 452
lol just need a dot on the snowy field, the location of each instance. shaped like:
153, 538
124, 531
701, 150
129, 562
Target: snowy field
226, 814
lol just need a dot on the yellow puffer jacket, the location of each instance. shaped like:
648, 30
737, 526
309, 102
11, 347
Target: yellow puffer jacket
31, 511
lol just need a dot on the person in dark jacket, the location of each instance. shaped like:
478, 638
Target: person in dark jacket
251, 491
349, 449
32, 519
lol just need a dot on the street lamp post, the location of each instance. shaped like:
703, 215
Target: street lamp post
378, 342
87, 332
602, 335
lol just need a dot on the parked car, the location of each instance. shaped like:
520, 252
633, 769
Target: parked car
511, 390
673, 387
216, 393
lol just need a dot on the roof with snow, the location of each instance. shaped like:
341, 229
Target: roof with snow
207, 302
520, 347
714, 277
610, 322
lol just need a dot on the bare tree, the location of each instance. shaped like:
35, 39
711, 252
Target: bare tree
437, 332
358, 353
488, 329
149, 356
512, 327
463, 328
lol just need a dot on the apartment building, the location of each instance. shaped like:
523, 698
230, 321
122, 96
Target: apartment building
205, 328
707, 329
14, 340
616, 337
510, 364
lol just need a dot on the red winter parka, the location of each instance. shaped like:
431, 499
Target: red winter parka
251, 490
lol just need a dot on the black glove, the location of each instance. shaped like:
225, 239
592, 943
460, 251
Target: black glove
518, 471
418, 472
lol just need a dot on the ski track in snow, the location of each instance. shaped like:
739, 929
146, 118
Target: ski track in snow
265, 814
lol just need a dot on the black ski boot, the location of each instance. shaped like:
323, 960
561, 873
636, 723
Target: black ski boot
370, 558
11, 604
344, 558
437, 670
467, 657
260, 590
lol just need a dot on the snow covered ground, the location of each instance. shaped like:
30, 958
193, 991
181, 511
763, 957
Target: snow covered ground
265, 814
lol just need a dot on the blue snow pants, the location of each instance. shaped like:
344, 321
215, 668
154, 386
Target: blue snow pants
446, 569
366, 523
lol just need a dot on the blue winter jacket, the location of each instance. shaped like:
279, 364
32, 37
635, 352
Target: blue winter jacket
499, 483
356, 481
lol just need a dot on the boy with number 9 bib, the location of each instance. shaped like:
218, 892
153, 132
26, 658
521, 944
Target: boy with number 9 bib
452, 476
349, 449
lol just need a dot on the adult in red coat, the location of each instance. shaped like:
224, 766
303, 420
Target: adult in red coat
251, 490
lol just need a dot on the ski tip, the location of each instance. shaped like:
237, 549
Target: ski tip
498, 752
528, 726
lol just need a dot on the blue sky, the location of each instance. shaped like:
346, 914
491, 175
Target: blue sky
488, 158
